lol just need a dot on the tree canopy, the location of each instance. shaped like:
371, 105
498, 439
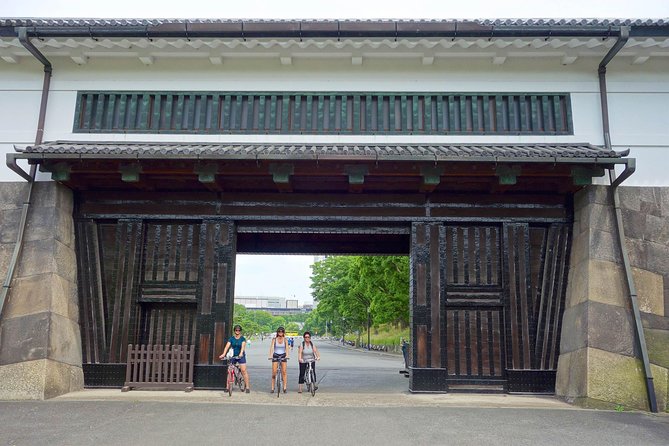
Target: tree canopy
346, 288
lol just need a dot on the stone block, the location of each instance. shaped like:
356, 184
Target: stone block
655, 322
47, 256
9, 225
574, 334
650, 291
580, 249
62, 378
634, 224
23, 380
637, 253
598, 217
604, 246
41, 293
607, 284
24, 338
591, 195
12, 195
40, 336
64, 340
6, 251
629, 198
657, 230
657, 342
619, 379
664, 201
49, 223
650, 207
50, 194
572, 373
577, 285
611, 329
657, 258
38, 380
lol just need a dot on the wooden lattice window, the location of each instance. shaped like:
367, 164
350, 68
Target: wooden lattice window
323, 113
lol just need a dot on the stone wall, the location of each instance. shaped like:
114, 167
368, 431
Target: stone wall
599, 365
40, 343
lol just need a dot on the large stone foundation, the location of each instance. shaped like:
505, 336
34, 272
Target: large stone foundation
40, 342
599, 363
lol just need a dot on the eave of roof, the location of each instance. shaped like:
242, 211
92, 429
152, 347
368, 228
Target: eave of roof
45, 27
549, 153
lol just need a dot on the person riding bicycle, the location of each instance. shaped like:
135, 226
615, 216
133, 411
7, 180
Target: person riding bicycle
238, 344
305, 353
279, 348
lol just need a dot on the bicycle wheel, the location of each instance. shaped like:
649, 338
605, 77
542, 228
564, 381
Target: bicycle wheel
277, 384
231, 380
239, 378
312, 378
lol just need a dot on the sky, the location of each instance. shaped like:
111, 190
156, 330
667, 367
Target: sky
288, 276
340, 9
274, 276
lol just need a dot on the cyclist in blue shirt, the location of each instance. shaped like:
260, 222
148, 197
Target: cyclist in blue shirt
238, 344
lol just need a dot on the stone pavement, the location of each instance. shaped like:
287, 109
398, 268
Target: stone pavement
325, 399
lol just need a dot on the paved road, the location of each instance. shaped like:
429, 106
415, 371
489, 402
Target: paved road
339, 370
100, 423
378, 410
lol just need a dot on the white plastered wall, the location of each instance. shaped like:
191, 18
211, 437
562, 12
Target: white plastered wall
637, 95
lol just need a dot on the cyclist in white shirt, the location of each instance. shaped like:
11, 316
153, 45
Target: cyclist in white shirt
279, 348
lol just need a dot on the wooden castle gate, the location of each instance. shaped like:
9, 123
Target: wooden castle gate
486, 226
486, 293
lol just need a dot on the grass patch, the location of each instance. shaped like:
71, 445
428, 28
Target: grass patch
385, 334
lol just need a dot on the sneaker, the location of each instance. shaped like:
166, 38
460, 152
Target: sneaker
248, 390
284, 390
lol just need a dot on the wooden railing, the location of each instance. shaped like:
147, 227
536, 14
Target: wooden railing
158, 366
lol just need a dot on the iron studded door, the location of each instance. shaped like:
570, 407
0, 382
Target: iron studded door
474, 308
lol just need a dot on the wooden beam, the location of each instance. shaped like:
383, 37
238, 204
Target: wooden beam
281, 175
130, 172
431, 177
507, 174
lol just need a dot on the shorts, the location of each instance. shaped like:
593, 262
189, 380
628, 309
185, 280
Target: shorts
276, 356
241, 360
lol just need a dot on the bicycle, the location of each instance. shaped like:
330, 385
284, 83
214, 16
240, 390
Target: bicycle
279, 376
235, 376
310, 378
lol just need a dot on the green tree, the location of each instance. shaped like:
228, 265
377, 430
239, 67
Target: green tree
346, 288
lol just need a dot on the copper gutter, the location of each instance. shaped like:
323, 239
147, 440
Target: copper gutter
620, 230
25, 41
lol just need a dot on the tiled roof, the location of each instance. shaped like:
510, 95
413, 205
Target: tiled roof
74, 22
453, 152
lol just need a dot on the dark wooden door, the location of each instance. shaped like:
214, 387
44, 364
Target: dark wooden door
487, 304
474, 306
154, 282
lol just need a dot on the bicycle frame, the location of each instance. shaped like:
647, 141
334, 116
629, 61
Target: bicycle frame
279, 375
235, 376
310, 378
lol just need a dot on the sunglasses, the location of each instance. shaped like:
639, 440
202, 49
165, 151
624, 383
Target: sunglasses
307, 337
237, 329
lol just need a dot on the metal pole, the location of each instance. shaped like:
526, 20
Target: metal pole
369, 312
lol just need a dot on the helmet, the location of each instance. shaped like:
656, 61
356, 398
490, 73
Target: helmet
236, 327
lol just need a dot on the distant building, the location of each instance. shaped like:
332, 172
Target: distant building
275, 305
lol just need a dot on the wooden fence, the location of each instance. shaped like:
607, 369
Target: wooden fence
160, 366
